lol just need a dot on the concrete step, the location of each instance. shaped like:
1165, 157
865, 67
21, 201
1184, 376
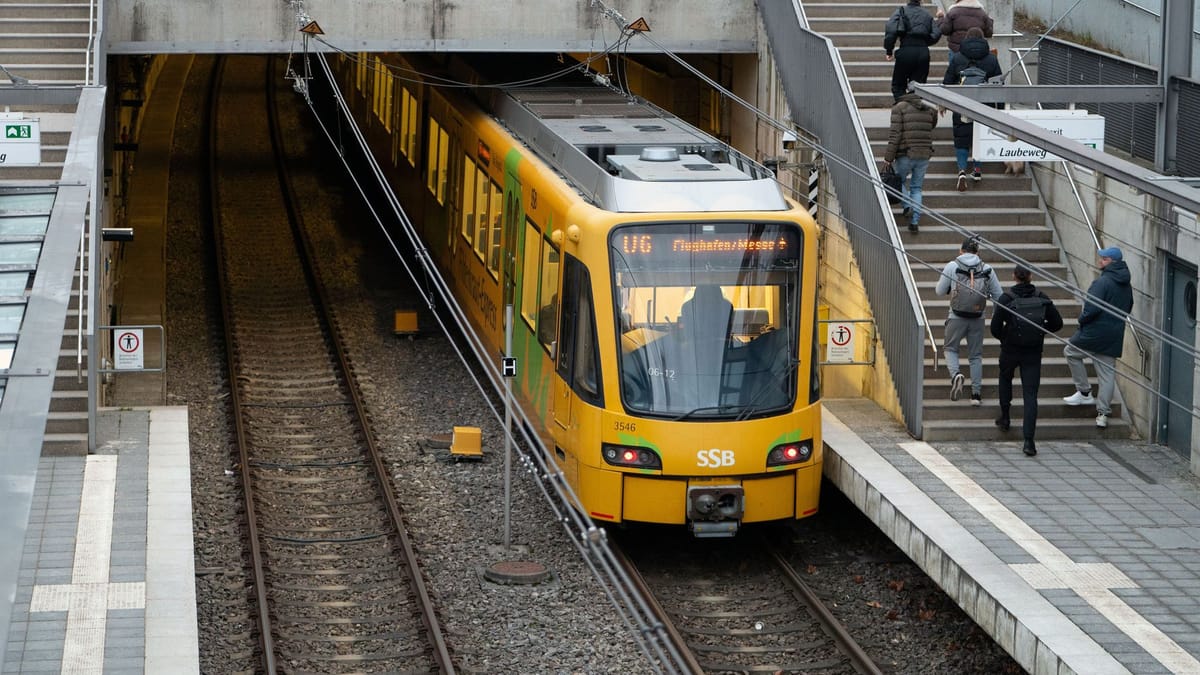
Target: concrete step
1049, 407
1035, 253
15, 59
1051, 386
1054, 364
1048, 428
875, 11
1003, 268
41, 173
69, 401
43, 10
989, 234
1029, 217
49, 73
62, 40
67, 423
64, 445
44, 26
1063, 299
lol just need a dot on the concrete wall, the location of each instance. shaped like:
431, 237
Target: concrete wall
1133, 28
211, 26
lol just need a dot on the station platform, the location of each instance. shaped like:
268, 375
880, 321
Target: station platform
107, 576
1083, 559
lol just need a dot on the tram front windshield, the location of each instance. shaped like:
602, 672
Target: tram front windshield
707, 316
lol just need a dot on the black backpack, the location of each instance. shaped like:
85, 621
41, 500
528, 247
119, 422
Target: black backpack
968, 294
1026, 328
898, 23
972, 74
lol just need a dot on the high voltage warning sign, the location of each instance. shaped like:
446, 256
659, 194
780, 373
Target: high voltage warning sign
311, 28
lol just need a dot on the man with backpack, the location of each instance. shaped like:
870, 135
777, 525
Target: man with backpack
915, 30
969, 282
973, 64
1020, 322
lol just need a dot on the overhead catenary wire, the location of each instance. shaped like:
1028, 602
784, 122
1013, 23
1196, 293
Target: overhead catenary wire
1078, 293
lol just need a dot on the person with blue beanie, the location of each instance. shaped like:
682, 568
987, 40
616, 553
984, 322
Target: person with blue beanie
1101, 334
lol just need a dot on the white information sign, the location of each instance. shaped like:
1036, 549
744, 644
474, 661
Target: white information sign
840, 345
20, 140
990, 145
128, 349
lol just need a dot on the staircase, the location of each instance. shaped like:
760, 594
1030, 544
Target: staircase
46, 43
1004, 210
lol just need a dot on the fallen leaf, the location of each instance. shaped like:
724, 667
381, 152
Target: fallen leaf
874, 603
858, 578
896, 585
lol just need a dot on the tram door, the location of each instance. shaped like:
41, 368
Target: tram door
1175, 428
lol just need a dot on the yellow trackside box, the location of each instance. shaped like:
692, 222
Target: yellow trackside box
405, 322
466, 443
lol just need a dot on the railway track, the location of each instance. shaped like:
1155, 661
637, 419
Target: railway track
740, 607
336, 581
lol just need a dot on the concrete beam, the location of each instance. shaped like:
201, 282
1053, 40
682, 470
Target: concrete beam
1043, 93
1168, 189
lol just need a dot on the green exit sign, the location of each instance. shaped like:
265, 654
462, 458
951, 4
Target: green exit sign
18, 131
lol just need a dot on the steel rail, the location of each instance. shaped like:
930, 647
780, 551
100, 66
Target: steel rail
862, 662
434, 632
265, 641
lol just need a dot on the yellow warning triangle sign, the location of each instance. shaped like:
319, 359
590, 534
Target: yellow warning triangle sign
640, 26
312, 29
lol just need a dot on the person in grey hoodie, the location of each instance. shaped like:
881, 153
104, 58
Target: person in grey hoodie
1101, 334
967, 325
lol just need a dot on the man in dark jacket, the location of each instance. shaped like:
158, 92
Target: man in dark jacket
962, 17
1101, 334
975, 51
1021, 347
915, 30
910, 145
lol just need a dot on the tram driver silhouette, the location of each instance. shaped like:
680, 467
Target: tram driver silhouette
704, 332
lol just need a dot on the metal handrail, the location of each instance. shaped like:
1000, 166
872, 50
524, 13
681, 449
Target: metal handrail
91, 43
81, 328
1137, 340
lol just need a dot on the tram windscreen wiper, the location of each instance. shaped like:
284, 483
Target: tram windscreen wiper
728, 407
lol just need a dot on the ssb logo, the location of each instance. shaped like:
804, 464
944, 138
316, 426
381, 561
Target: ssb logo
715, 458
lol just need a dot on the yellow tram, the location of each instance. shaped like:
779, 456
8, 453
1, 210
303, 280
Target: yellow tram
664, 289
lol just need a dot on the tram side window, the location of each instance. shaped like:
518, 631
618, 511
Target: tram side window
578, 360
382, 91
360, 76
408, 126
483, 212
539, 297
439, 149
468, 214
497, 214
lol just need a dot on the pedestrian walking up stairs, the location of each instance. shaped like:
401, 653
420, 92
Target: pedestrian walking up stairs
45, 43
1004, 210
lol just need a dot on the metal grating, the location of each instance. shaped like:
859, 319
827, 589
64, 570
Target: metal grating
1128, 127
1187, 138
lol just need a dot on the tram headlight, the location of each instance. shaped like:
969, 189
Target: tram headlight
630, 456
790, 453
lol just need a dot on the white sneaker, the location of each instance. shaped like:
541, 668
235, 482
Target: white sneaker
1102, 421
1079, 399
956, 386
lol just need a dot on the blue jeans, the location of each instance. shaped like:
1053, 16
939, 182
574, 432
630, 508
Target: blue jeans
913, 183
963, 157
